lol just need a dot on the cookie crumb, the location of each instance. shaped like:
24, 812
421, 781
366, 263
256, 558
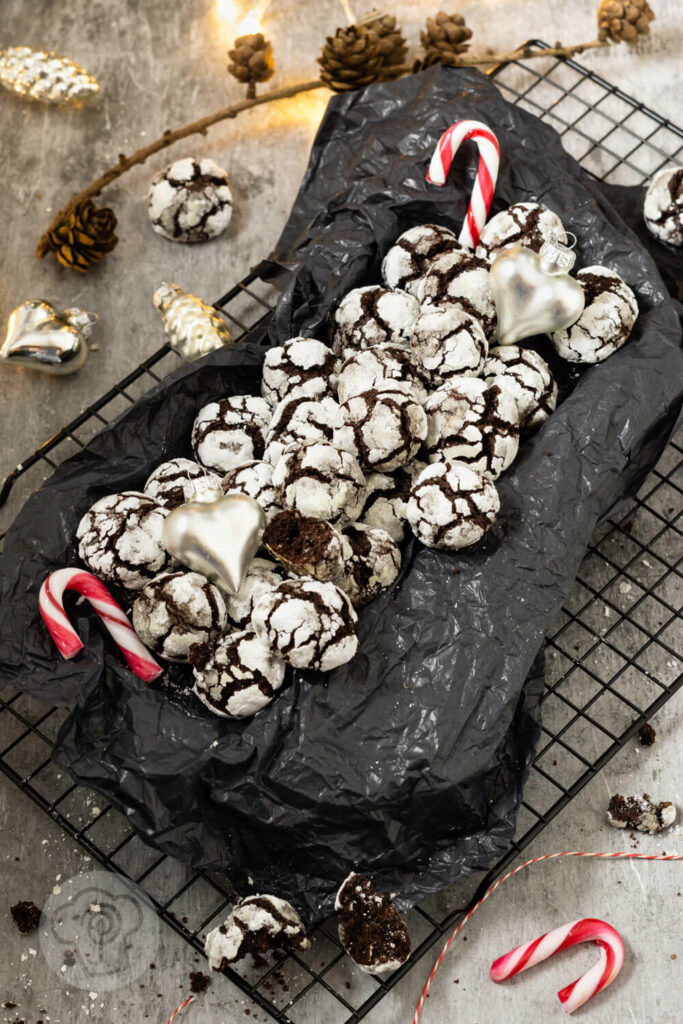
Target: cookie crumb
26, 916
646, 735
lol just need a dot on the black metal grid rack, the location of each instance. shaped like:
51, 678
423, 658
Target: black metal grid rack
613, 659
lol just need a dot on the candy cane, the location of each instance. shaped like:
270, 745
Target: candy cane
590, 929
487, 173
504, 878
113, 616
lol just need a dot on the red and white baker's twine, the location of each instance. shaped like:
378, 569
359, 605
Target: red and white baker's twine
180, 1009
113, 616
504, 878
487, 173
601, 974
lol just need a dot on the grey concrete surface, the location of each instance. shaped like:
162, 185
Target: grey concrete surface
161, 63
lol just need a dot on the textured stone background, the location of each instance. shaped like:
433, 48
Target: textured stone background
160, 64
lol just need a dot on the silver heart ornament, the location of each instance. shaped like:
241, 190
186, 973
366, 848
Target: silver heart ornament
216, 538
41, 336
532, 295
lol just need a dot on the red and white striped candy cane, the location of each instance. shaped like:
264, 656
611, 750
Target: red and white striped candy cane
487, 173
113, 616
590, 929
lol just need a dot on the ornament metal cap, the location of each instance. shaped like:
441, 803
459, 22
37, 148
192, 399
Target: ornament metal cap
556, 256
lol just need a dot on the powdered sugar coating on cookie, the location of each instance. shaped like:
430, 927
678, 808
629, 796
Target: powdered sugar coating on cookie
409, 259
371, 316
465, 279
377, 367
383, 429
261, 577
120, 539
663, 206
237, 677
300, 419
254, 478
452, 506
190, 200
372, 561
472, 421
176, 610
307, 623
387, 501
166, 484
230, 431
606, 322
319, 480
302, 367
528, 378
446, 342
527, 224
256, 925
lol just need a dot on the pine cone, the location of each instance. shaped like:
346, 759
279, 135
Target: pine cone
391, 42
624, 20
83, 237
446, 36
350, 59
252, 59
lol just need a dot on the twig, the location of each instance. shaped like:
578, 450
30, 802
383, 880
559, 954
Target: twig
198, 127
526, 53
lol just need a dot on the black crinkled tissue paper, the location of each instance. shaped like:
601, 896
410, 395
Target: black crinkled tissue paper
408, 763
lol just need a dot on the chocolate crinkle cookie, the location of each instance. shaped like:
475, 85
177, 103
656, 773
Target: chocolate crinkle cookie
176, 610
640, 813
527, 376
663, 206
302, 367
380, 367
606, 322
307, 623
386, 505
383, 429
526, 224
371, 316
371, 930
238, 676
120, 539
190, 200
462, 278
372, 561
304, 545
409, 259
319, 480
262, 576
230, 431
255, 479
473, 421
446, 342
300, 419
166, 484
257, 927
452, 506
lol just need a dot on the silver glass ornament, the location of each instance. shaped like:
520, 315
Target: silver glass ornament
533, 292
40, 336
192, 326
216, 538
45, 76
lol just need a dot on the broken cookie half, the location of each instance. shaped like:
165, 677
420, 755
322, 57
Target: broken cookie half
371, 930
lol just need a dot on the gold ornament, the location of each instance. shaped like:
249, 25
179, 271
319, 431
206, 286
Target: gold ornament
192, 326
45, 76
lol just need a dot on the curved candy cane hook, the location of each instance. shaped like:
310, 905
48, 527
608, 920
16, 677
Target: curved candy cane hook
590, 929
487, 172
113, 616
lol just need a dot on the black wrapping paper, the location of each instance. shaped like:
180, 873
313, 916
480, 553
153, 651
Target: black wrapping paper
408, 762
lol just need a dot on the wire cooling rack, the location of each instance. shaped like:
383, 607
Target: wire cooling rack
613, 655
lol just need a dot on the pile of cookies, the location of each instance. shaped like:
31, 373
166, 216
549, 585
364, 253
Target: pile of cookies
406, 419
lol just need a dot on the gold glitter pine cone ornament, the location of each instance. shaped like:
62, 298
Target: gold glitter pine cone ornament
251, 60
624, 20
192, 326
44, 76
350, 59
445, 36
83, 236
391, 42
